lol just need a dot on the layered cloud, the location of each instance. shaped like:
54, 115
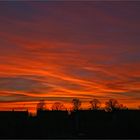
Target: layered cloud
69, 49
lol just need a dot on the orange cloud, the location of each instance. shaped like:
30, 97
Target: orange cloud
59, 53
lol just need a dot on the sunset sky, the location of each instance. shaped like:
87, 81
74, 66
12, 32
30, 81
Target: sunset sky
57, 51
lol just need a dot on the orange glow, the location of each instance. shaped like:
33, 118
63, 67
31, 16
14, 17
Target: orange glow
58, 53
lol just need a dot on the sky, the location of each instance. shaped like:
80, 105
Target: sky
60, 50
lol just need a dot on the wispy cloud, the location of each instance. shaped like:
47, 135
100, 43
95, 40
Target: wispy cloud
64, 51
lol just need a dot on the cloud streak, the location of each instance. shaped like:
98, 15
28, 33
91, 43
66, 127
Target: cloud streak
66, 50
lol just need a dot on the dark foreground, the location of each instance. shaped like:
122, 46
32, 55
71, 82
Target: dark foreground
80, 124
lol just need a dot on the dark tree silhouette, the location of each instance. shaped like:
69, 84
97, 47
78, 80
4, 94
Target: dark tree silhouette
122, 107
48, 124
95, 104
41, 105
112, 105
76, 104
58, 106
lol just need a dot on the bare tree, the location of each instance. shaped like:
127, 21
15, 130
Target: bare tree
122, 107
41, 105
112, 105
58, 106
76, 104
95, 104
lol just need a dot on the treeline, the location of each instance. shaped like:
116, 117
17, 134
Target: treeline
95, 104
114, 121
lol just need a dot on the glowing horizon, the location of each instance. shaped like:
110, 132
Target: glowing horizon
58, 51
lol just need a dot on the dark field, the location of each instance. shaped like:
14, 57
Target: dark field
78, 124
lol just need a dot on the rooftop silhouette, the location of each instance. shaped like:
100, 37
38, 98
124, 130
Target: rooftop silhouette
57, 123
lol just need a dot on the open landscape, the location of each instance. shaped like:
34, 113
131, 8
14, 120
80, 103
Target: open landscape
69, 69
